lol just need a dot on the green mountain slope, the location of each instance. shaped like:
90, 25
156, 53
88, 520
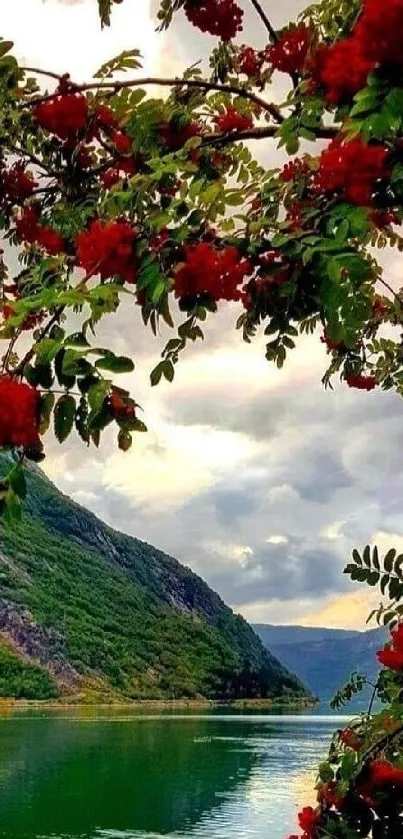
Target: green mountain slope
324, 658
106, 615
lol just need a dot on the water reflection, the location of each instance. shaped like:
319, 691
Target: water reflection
182, 776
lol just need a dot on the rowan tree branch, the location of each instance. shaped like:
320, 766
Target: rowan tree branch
322, 133
272, 32
269, 107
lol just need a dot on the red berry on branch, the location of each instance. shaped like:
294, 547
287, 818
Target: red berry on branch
351, 169
360, 382
19, 413
121, 407
207, 270
289, 53
174, 138
232, 120
250, 62
28, 224
16, 184
218, 17
349, 739
342, 69
50, 240
392, 656
309, 820
122, 142
64, 116
106, 248
104, 117
293, 169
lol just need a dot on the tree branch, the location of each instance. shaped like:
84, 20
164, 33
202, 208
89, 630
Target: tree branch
322, 133
269, 107
39, 72
272, 32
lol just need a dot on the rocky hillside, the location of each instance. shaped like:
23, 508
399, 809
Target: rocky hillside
324, 658
90, 612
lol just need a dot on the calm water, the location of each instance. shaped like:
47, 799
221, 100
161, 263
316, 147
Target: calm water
97, 775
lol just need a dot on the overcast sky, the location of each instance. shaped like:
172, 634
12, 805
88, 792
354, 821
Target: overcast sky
255, 478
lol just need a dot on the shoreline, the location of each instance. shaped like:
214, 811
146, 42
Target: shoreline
158, 704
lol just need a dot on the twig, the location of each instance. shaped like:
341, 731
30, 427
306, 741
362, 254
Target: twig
322, 133
39, 72
272, 32
33, 159
378, 747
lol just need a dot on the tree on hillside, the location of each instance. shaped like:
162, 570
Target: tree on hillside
111, 197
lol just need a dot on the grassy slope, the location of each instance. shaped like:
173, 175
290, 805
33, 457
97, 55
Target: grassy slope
128, 619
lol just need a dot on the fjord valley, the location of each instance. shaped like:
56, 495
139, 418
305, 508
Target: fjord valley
90, 613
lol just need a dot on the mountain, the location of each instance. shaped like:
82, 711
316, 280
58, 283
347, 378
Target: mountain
324, 658
90, 612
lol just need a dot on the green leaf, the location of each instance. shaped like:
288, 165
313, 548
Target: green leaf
156, 374
366, 555
375, 559
46, 407
389, 559
46, 351
77, 339
17, 481
63, 379
325, 772
12, 509
115, 364
64, 414
5, 46
124, 440
348, 766
97, 395
168, 370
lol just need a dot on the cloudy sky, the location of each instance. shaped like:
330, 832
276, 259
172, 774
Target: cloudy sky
255, 478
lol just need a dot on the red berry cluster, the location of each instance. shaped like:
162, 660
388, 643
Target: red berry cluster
294, 169
360, 382
349, 739
30, 230
174, 137
106, 248
250, 62
112, 175
383, 778
19, 409
332, 346
65, 116
16, 184
207, 270
309, 821
290, 52
121, 407
343, 67
232, 120
351, 170
392, 655
222, 18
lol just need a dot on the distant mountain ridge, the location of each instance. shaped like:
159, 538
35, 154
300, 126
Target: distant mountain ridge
90, 612
324, 658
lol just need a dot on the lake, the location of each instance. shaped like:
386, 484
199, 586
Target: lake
96, 774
